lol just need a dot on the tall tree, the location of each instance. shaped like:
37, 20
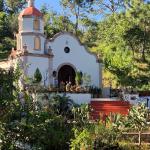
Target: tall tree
14, 6
138, 12
1, 5
54, 22
9, 10
77, 8
105, 7
90, 28
6, 42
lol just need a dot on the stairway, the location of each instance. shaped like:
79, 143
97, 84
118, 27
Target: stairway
107, 107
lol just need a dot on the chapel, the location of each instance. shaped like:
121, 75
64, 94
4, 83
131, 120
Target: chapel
57, 58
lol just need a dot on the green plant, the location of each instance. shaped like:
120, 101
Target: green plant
95, 91
62, 105
138, 119
95, 136
86, 80
37, 76
81, 115
78, 78
82, 140
24, 123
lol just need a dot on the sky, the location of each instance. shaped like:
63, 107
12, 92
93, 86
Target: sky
55, 5
52, 4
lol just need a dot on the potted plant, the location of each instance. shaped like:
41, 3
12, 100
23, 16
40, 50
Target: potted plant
78, 78
86, 81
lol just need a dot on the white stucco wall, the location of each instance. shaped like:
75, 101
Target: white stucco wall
39, 62
78, 57
27, 25
29, 41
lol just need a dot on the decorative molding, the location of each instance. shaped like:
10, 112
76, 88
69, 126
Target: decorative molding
63, 64
33, 33
31, 17
38, 55
22, 17
37, 40
18, 53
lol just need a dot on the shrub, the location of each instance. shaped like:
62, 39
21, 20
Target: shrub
78, 78
37, 76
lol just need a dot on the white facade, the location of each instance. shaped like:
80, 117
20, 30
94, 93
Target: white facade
49, 55
78, 57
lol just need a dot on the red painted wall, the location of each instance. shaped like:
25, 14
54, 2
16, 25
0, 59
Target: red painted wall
108, 107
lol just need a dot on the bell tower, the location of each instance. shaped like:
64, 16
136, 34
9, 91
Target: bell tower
31, 29
31, 44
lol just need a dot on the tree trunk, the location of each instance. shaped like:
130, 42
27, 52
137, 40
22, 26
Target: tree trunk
139, 139
144, 44
77, 20
143, 54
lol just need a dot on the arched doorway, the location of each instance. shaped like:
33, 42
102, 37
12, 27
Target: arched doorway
66, 74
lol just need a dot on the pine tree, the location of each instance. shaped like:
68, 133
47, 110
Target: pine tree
37, 76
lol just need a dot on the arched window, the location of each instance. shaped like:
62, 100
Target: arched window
37, 43
36, 24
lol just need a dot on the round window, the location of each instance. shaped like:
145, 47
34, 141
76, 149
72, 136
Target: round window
67, 49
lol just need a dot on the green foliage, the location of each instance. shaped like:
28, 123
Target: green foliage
108, 134
9, 24
1, 5
6, 41
123, 41
13, 7
55, 23
4, 28
78, 78
81, 115
24, 122
82, 140
6, 88
37, 76
138, 118
86, 80
95, 136
78, 10
89, 37
95, 91
62, 105
7, 44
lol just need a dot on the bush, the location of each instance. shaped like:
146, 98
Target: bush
95, 136
37, 76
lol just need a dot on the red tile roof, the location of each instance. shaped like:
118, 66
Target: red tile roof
30, 11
